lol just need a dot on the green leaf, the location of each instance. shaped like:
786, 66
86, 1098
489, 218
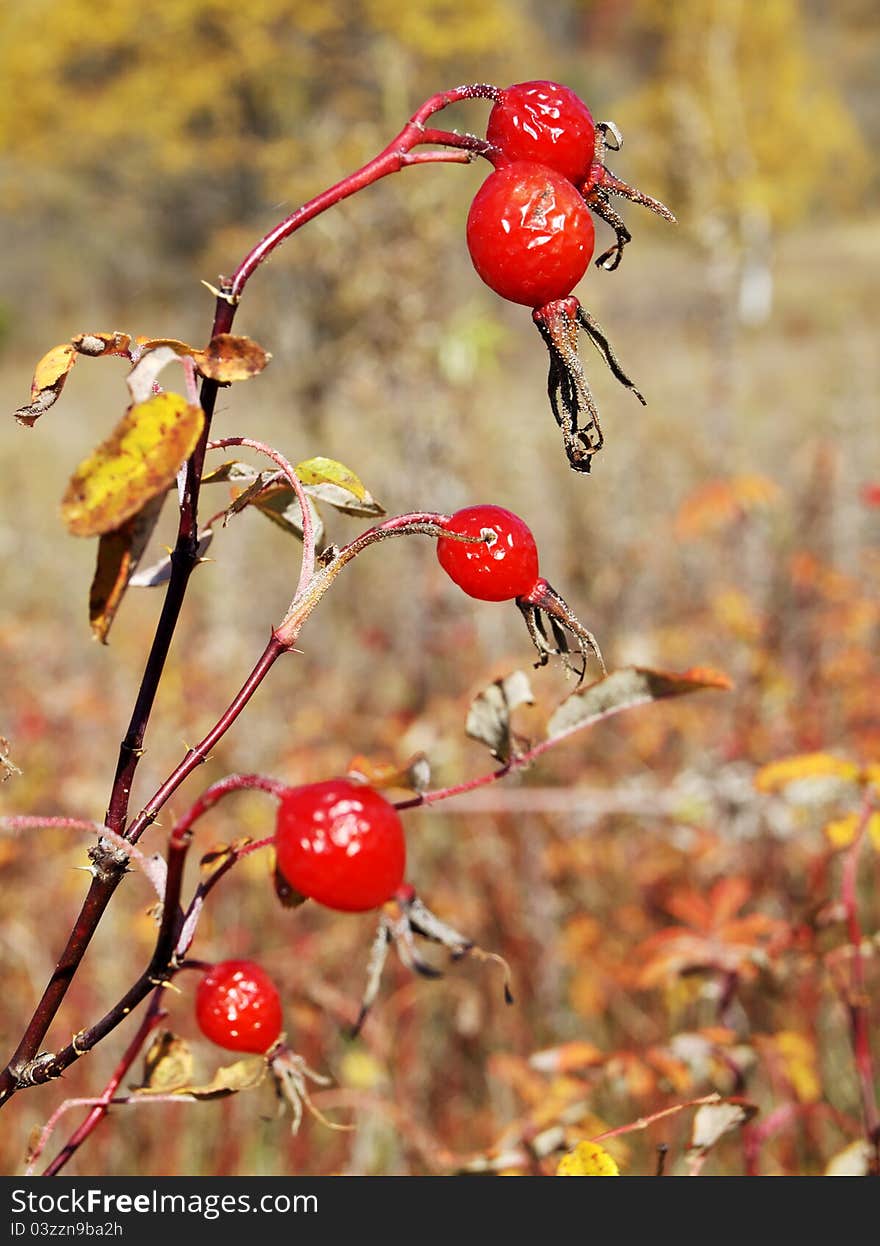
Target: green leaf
338, 486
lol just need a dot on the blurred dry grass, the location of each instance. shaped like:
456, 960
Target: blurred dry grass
390, 357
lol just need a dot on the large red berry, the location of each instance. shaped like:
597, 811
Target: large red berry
238, 1007
340, 843
530, 234
546, 122
493, 570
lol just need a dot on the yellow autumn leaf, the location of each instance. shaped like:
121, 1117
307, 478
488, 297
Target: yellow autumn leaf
320, 471
588, 1159
779, 774
798, 1055
840, 832
138, 461
49, 376
54, 365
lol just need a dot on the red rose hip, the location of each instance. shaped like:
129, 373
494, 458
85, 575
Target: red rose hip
530, 234
545, 122
238, 1007
341, 844
495, 570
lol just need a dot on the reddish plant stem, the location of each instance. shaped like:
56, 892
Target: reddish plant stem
185, 556
396, 156
151, 1019
159, 971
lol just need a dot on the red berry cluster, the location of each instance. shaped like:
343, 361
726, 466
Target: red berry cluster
529, 232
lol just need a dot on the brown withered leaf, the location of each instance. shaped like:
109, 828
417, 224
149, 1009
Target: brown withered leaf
138, 460
413, 775
488, 718
119, 553
622, 690
228, 1080
54, 368
168, 1064
97, 344
228, 358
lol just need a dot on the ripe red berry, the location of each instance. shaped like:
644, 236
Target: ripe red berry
545, 122
500, 571
238, 1007
340, 843
530, 234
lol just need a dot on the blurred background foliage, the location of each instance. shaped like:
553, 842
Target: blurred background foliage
727, 523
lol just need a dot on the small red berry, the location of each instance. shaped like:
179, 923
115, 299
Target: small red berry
238, 1007
341, 844
500, 571
546, 122
530, 234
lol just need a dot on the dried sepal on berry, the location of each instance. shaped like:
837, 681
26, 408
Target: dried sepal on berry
545, 607
601, 184
571, 399
291, 1076
402, 919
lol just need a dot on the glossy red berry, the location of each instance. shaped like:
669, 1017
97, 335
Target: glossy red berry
545, 122
340, 843
498, 571
530, 234
238, 1007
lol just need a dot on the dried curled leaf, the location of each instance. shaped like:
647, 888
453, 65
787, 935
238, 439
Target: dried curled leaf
54, 368
488, 718
139, 460
119, 553
229, 1080
624, 689
168, 1064
49, 376
588, 1159
228, 358
413, 775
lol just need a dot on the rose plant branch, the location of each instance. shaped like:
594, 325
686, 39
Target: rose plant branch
100, 1107
185, 555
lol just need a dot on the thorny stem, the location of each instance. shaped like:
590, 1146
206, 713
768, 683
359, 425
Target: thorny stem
151, 1019
45, 1067
185, 556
